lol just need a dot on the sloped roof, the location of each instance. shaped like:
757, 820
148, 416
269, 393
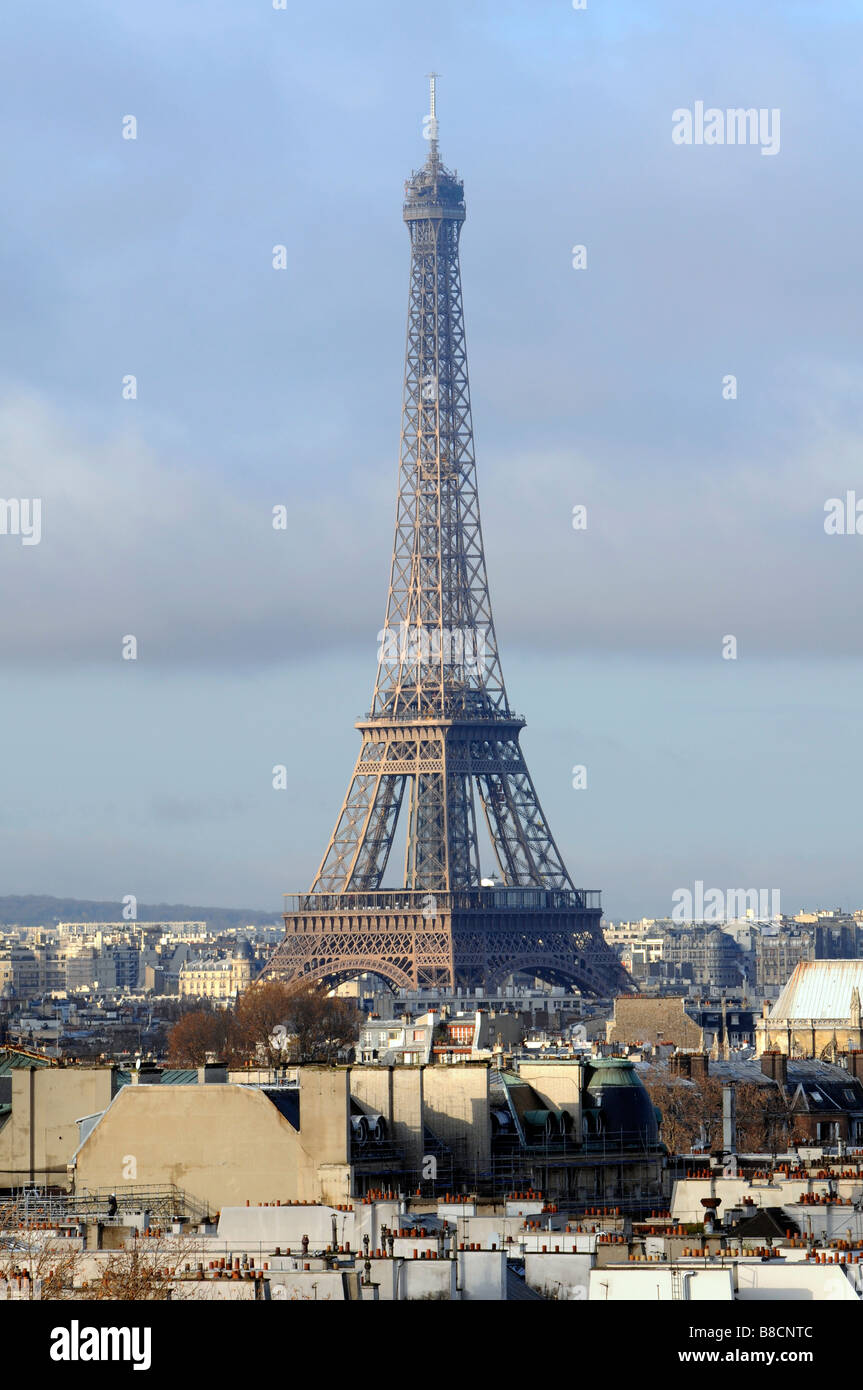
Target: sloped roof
828, 1078
767, 1221
820, 989
13, 1058
171, 1076
517, 1291
286, 1099
826, 1092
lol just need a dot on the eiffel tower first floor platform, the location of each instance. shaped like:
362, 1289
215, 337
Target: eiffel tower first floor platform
470, 938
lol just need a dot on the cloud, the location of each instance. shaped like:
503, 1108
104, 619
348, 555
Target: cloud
191, 566
674, 556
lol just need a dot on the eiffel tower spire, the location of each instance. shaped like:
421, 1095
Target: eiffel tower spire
440, 748
438, 651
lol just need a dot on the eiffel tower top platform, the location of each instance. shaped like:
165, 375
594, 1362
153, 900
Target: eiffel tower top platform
440, 754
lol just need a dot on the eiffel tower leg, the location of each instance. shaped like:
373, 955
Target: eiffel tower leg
525, 850
427, 861
372, 859
463, 846
360, 845
443, 852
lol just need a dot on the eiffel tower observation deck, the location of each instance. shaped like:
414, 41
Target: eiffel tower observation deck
440, 750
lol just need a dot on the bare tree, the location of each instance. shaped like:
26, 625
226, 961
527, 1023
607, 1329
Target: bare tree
297, 1023
47, 1265
144, 1270
690, 1109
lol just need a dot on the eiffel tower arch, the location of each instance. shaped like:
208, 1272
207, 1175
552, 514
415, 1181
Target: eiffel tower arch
440, 751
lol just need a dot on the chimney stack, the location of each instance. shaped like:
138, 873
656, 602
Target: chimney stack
212, 1073
854, 1063
146, 1074
729, 1121
775, 1065
699, 1066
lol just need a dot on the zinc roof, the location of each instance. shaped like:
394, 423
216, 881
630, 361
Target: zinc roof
11, 1060
820, 989
179, 1076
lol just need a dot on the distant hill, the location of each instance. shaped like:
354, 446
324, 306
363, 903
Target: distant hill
36, 911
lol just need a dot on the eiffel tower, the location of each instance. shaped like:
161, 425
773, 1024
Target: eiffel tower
440, 745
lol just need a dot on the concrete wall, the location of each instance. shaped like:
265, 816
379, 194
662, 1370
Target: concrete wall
223, 1144
793, 1283
325, 1113
686, 1197
407, 1117
428, 1280
451, 1100
41, 1135
456, 1108
482, 1274
557, 1084
307, 1286
563, 1277
372, 1217
421, 1280
372, 1089
284, 1227
385, 1276
397, 1094
653, 1283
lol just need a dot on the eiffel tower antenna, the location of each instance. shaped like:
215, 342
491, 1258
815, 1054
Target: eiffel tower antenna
432, 116
440, 750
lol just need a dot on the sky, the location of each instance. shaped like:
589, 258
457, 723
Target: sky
604, 386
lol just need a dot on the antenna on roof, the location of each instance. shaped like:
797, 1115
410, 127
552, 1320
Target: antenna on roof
430, 121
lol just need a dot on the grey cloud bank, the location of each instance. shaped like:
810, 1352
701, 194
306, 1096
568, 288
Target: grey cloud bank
667, 561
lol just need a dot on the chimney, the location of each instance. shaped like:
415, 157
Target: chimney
729, 1120
212, 1072
146, 1074
854, 1063
699, 1066
775, 1065
681, 1064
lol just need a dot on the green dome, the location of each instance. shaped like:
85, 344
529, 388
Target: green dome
617, 1105
612, 1071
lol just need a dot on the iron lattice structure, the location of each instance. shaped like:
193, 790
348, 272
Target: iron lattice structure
441, 735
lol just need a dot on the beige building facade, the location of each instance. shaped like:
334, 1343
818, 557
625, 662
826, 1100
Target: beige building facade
238, 1143
217, 977
40, 1134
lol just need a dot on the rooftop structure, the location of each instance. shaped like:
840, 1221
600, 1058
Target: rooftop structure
818, 1012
